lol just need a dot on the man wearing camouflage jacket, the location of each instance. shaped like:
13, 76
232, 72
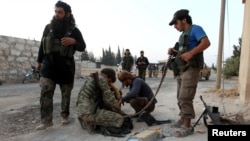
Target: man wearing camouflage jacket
107, 113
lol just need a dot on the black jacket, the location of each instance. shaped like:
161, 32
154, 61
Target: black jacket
142, 66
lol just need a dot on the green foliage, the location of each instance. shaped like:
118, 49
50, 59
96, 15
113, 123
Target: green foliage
118, 57
232, 64
231, 67
91, 57
214, 68
108, 57
237, 49
85, 56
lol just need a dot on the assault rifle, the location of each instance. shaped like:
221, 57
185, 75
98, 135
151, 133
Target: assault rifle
171, 64
209, 111
99, 101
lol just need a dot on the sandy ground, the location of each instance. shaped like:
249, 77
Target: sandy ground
19, 112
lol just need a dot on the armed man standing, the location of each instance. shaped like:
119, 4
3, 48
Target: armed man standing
142, 64
188, 62
61, 38
128, 61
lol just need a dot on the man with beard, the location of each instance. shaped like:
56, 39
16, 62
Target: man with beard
61, 38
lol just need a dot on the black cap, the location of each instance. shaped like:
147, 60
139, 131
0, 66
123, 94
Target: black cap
180, 14
141, 51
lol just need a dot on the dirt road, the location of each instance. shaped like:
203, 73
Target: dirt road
19, 112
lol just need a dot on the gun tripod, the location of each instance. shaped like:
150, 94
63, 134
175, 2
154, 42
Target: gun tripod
209, 112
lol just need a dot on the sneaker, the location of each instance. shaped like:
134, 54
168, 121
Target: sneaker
184, 131
148, 118
64, 120
178, 124
43, 126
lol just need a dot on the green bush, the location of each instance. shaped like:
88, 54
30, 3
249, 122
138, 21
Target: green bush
231, 67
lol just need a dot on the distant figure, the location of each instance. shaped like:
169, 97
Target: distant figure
127, 61
155, 70
142, 64
150, 70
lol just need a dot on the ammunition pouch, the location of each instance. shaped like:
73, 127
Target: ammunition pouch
177, 65
174, 67
181, 64
49, 45
197, 61
53, 45
67, 51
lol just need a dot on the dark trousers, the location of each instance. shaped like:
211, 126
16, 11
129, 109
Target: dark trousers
139, 103
142, 74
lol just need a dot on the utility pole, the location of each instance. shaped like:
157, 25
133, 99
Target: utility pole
220, 47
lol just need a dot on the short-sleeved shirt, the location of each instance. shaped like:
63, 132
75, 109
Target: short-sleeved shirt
196, 34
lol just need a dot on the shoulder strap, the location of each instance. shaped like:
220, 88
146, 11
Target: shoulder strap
187, 36
184, 37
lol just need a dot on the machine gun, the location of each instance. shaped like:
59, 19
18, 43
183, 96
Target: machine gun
209, 111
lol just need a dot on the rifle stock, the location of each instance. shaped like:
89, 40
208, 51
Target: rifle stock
98, 102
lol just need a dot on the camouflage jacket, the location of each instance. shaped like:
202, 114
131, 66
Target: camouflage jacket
86, 100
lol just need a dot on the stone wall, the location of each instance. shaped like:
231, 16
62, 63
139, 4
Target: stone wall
16, 54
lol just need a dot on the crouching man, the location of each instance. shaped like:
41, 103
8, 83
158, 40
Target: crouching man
98, 109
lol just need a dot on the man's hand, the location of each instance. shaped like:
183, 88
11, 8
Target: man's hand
170, 51
187, 56
121, 102
66, 41
38, 66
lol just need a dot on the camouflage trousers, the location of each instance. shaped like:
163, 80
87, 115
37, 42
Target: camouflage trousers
186, 89
48, 87
142, 74
103, 117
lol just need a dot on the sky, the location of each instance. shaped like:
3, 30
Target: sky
133, 24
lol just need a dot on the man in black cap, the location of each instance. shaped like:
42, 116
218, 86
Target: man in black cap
188, 62
142, 64
61, 38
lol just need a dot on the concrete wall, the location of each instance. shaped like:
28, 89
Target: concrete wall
16, 54
244, 74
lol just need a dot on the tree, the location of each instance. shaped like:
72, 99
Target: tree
232, 64
85, 56
108, 57
118, 57
237, 49
214, 68
91, 57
